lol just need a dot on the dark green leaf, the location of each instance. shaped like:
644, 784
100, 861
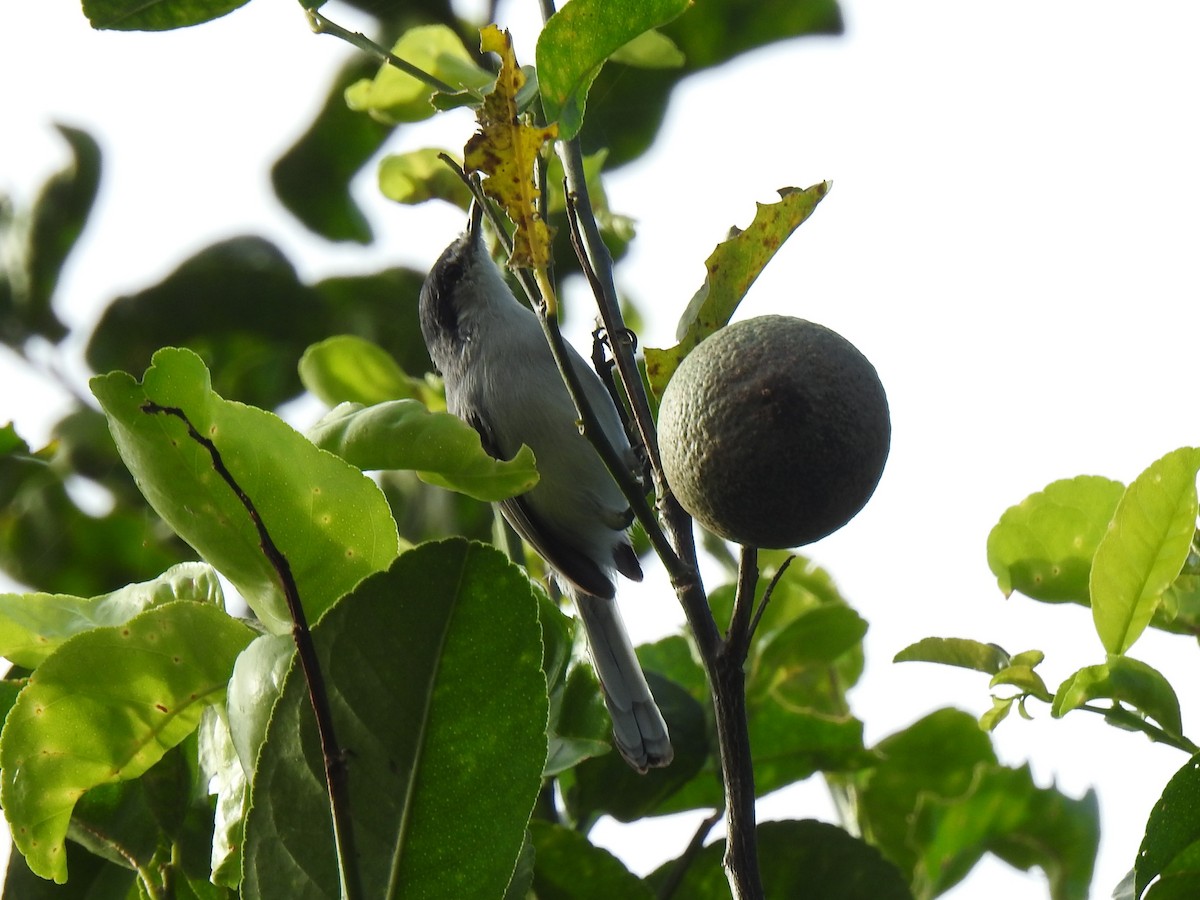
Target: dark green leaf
312, 179
441, 448
58, 217
606, 784
798, 859
567, 867
85, 720
238, 304
1173, 826
1125, 680
329, 520
578, 39
936, 756
1144, 548
434, 674
380, 308
1006, 813
155, 15
92, 878
1043, 547
963, 652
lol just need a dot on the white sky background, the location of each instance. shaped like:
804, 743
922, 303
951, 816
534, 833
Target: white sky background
1010, 239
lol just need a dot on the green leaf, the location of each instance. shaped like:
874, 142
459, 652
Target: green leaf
798, 859
420, 175
578, 39
105, 708
733, 267
442, 449
1005, 813
650, 50
1125, 680
434, 676
348, 368
32, 626
225, 777
58, 218
92, 878
155, 15
1145, 548
239, 304
394, 96
312, 178
329, 520
606, 784
1043, 547
798, 665
1024, 678
254, 687
1173, 827
934, 757
962, 652
383, 308
568, 867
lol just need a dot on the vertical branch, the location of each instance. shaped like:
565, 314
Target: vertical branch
336, 780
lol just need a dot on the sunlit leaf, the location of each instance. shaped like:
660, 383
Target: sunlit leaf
32, 626
420, 175
348, 368
1145, 548
329, 520
433, 670
578, 39
1127, 681
1043, 547
85, 720
650, 50
733, 267
441, 448
1023, 678
393, 96
962, 652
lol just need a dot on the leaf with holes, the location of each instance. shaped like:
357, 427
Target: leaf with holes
105, 707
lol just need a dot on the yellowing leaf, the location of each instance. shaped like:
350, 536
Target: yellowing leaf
506, 150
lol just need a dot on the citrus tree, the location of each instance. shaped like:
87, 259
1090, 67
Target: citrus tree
385, 704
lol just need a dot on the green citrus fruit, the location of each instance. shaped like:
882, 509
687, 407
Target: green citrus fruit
774, 432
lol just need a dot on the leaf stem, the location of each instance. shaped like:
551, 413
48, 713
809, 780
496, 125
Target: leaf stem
336, 779
322, 25
1125, 718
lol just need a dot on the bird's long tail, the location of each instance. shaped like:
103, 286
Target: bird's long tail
638, 728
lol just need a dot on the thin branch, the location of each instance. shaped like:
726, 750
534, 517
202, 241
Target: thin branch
767, 594
322, 25
690, 852
1125, 718
336, 774
738, 637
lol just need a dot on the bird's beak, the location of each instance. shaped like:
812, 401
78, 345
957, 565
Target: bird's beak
475, 222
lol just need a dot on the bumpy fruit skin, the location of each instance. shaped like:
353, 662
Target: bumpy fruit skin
774, 432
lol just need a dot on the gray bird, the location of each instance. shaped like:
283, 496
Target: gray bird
501, 379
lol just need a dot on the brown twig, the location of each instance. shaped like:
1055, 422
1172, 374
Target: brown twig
336, 775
